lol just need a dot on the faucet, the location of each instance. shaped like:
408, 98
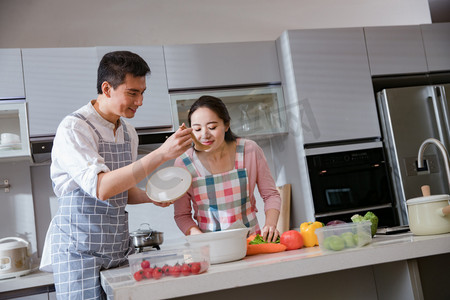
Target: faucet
443, 151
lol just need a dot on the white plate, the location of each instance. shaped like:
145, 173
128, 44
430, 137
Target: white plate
168, 184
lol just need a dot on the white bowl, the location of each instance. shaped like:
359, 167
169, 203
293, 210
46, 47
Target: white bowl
224, 246
168, 184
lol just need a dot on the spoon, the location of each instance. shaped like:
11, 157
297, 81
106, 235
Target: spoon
197, 145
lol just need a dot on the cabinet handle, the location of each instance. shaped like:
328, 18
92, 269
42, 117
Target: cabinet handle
5, 185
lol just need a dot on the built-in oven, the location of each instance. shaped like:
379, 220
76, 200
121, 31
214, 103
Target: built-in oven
351, 182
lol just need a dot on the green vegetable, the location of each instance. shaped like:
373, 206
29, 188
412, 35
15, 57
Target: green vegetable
335, 243
259, 240
369, 216
348, 239
357, 218
362, 238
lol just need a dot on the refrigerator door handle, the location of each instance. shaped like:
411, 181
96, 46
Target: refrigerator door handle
442, 114
439, 114
445, 113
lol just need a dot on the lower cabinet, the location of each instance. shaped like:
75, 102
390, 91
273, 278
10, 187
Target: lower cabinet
46, 292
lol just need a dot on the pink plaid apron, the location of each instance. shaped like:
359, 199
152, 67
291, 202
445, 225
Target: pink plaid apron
222, 199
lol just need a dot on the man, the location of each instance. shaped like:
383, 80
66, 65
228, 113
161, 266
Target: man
95, 171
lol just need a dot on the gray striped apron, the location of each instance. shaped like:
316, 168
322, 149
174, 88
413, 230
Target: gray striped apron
88, 234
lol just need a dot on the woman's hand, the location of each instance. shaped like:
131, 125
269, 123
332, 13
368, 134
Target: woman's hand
270, 233
194, 230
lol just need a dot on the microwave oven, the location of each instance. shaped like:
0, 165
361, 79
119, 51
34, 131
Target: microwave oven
351, 182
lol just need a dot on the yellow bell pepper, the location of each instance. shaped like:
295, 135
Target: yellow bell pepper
307, 230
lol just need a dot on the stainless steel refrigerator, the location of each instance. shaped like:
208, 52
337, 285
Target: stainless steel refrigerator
408, 116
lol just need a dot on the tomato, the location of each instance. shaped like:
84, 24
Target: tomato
185, 269
292, 239
157, 273
138, 275
145, 264
165, 269
148, 272
175, 270
195, 268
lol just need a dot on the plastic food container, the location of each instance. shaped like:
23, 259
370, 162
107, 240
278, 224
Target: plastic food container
156, 264
344, 236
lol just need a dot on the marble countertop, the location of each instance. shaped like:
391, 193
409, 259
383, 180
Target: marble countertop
256, 269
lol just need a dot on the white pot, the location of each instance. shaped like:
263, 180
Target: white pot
14, 255
224, 246
429, 215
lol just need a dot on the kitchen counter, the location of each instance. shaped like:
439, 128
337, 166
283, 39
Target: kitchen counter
284, 266
32, 283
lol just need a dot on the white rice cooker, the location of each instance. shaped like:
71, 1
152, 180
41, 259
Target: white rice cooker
15, 257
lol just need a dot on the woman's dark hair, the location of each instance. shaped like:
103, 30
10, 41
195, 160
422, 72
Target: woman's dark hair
114, 66
217, 106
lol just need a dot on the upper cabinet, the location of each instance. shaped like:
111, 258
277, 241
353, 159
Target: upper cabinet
327, 71
11, 76
58, 81
412, 49
61, 80
221, 64
395, 50
436, 39
155, 110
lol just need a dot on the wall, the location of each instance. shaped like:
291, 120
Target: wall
64, 23
56, 23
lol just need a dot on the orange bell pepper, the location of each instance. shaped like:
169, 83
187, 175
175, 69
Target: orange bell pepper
307, 230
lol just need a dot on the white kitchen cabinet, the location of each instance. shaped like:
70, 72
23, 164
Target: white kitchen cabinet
327, 72
395, 50
17, 217
155, 111
11, 76
436, 40
13, 120
221, 64
58, 81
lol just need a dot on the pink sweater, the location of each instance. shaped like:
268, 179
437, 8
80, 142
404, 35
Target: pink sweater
258, 173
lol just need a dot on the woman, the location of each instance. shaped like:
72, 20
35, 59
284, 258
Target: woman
224, 177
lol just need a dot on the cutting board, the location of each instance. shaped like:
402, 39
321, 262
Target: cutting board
285, 211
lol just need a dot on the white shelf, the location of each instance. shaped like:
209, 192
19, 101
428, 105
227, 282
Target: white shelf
13, 119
